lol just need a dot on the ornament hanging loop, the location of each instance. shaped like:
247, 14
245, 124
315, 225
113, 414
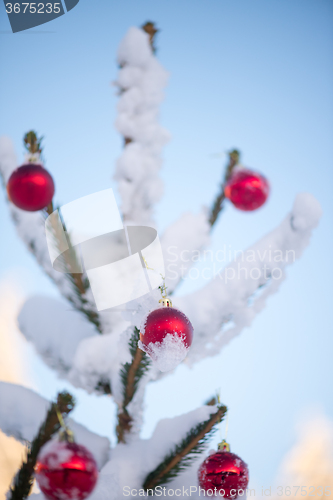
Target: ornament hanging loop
65, 433
165, 301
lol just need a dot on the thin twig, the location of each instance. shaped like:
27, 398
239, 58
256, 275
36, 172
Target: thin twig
218, 203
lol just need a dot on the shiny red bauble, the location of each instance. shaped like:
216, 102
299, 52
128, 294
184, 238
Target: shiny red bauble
225, 474
163, 321
66, 471
30, 187
247, 190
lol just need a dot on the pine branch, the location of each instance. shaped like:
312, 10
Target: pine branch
79, 284
218, 203
131, 374
211, 401
219, 200
150, 28
32, 143
185, 452
23, 481
78, 281
89, 313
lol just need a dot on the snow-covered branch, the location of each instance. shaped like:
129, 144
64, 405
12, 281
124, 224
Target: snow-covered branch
69, 344
22, 484
31, 229
22, 411
218, 312
184, 452
55, 330
168, 433
127, 470
131, 374
29, 225
229, 303
141, 80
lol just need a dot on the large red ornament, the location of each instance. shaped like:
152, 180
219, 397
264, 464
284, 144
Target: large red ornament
166, 320
66, 471
225, 474
166, 335
30, 187
247, 190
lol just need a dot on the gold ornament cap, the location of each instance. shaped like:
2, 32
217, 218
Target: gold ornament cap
223, 446
166, 302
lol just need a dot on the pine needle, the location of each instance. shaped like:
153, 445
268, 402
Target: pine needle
24, 479
131, 374
185, 452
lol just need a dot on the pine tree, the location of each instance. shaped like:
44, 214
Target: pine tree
100, 353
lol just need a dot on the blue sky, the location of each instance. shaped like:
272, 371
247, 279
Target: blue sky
254, 75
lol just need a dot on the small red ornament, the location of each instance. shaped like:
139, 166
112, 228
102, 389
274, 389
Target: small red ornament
166, 335
30, 187
247, 190
224, 474
66, 471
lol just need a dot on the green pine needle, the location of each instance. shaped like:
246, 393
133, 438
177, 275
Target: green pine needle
125, 373
183, 454
24, 479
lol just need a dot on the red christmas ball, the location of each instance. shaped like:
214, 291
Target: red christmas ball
163, 321
66, 471
225, 474
166, 336
247, 190
30, 187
